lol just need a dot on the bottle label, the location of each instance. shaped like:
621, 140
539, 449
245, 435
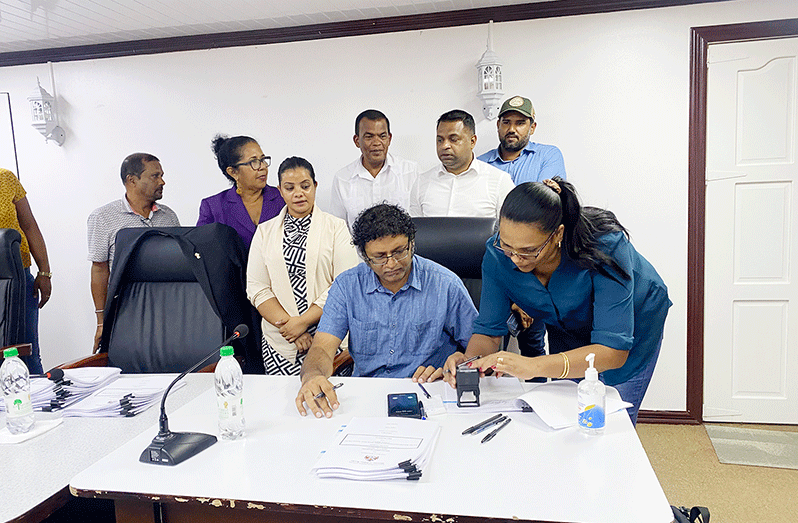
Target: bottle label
591, 416
230, 407
18, 405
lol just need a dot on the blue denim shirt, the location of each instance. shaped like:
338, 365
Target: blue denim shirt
391, 335
536, 163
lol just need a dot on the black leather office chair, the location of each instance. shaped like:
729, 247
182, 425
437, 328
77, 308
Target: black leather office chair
12, 289
457, 243
174, 294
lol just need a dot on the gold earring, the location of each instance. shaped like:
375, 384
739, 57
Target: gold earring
238, 189
559, 244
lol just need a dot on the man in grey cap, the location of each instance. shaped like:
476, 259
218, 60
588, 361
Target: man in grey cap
525, 161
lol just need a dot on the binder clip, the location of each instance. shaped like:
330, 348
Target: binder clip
467, 387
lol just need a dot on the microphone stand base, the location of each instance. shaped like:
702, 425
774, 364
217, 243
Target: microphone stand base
176, 447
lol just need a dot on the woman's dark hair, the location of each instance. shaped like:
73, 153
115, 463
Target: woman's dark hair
295, 162
228, 151
382, 220
538, 204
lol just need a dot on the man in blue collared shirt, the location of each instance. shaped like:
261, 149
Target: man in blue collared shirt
525, 161
404, 314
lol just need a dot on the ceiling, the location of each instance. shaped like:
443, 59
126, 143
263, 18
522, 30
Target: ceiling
27, 25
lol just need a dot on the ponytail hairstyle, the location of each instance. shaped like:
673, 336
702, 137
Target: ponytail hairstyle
539, 204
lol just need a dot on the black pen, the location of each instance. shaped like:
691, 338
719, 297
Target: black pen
423, 412
489, 425
321, 394
424, 390
469, 430
500, 427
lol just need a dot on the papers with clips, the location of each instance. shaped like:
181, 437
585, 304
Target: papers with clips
127, 396
55, 394
371, 449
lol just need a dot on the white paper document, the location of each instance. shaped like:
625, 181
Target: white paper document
127, 396
369, 449
555, 402
48, 395
495, 395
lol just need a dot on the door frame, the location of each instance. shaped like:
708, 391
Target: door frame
700, 39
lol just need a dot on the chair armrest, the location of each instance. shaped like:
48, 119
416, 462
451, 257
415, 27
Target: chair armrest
343, 364
95, 360
24, 349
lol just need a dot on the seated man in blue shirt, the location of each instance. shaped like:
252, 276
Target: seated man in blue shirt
404, 314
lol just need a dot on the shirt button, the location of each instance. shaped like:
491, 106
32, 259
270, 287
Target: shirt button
391, 351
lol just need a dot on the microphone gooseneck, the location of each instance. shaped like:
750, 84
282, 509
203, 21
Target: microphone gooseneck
163, 429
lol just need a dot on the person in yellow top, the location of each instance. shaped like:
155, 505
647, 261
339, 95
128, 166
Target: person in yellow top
15, 213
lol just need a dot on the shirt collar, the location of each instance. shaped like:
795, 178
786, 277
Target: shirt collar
471, 168
128, 208
362, 172
373, 281
529, 149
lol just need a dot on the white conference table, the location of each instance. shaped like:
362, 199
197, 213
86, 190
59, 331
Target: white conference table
36, 473
528, 472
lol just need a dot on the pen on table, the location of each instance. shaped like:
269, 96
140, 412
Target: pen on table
424, 390
486, 426
469, 430
423, 412
500, 427
321, 394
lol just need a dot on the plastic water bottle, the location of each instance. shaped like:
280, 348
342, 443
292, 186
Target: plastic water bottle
592, 396
230, 395
15, 380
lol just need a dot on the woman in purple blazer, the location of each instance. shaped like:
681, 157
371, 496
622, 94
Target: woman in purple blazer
251, 200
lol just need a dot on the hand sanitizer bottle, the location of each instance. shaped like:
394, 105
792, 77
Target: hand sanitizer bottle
592, 399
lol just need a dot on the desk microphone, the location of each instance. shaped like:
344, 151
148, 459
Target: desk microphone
171, 448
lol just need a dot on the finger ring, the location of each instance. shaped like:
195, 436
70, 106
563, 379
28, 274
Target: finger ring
500, 360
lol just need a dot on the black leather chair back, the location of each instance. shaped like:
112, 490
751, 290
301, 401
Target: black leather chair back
457, 243
163, 321
12, 289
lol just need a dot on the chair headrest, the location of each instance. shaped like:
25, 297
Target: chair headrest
457, 243
158, 257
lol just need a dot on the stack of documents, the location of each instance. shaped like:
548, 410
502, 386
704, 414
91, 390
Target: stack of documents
48, 395
369, 449
127, 396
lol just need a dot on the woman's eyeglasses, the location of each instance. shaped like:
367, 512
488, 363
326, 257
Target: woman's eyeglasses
523, 255
257, 164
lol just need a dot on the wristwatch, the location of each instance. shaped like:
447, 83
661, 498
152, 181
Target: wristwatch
48, 274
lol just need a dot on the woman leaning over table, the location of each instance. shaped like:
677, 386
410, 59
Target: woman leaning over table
15, 213
251, 200
574, 269
293, 260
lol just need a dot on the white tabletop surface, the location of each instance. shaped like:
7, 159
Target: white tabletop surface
36, 469
527, 471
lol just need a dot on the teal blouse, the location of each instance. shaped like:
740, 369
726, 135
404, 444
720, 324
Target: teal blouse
582, 306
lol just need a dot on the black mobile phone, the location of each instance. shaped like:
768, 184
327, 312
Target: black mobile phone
404, 405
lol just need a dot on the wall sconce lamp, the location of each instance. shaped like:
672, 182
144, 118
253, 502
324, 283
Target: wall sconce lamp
44, 117
489, 88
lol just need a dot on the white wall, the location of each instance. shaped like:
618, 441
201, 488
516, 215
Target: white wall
611, 91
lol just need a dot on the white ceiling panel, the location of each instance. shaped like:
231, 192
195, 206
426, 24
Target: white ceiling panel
42, 24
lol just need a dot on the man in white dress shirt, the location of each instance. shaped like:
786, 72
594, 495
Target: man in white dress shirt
460, 185
376, 176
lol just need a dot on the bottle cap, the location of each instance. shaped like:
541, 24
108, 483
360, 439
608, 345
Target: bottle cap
591, 374
227, 350
10, 353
